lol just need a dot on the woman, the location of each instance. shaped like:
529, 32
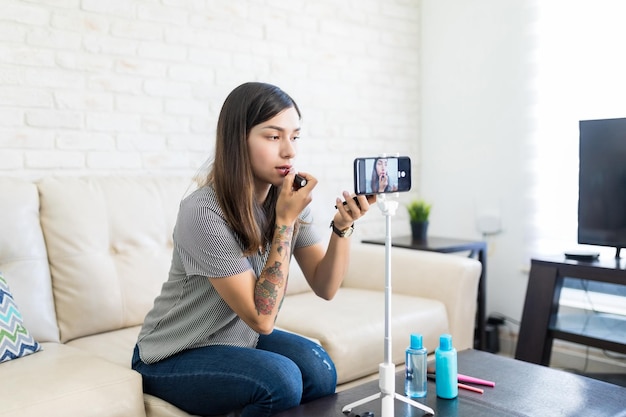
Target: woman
380, 182
208, 345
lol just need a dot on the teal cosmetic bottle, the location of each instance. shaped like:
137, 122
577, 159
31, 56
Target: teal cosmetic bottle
446, 373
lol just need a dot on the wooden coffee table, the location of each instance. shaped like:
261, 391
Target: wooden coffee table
522, 389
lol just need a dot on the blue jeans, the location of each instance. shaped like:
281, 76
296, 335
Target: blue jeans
283, 371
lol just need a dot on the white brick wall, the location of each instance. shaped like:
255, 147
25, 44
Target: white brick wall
135, 86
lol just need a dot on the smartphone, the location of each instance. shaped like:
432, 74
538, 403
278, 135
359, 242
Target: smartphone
380, 175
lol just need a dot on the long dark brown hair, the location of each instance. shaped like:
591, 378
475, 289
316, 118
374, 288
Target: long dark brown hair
231, 175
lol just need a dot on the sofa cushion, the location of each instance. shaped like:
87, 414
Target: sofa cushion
355, 342
109, 243
115, 346
67, 382
15, 340
23, 258
451, 279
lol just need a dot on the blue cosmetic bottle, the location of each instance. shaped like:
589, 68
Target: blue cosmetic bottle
415, 384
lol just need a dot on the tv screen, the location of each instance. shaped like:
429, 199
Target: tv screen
602, 183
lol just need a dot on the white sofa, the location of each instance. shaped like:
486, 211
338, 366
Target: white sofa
85, 258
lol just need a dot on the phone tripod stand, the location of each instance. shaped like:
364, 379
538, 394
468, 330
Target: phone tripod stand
386, 370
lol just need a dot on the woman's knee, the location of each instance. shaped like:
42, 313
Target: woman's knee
319, 374
279, 389
317, 368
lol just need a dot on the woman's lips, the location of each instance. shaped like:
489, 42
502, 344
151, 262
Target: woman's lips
284, 170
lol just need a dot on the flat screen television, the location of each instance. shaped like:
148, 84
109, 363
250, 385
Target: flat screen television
602, 183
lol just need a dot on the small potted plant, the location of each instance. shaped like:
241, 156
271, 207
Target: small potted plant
419, 211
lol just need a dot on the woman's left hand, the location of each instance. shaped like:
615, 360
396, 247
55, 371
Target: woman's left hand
352, 210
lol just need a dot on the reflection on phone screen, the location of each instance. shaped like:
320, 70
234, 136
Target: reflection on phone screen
378, 175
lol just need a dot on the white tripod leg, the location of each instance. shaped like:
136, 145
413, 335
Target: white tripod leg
415, 404
346, 409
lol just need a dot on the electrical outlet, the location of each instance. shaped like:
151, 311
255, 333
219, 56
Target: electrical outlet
489, 223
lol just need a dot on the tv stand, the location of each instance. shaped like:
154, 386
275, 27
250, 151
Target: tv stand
541, 321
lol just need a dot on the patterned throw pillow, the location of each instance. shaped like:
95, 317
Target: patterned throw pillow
15, 341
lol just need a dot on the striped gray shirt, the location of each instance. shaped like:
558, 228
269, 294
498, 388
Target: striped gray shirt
189, 313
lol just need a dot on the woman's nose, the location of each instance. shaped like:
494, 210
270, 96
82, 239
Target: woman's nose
288, 149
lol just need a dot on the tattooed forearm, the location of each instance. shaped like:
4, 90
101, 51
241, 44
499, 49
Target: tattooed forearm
266, 290
282, 240
273, 280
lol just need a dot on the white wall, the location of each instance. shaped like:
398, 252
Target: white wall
475, 130
135, 86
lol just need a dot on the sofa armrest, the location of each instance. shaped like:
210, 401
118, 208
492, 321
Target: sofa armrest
451, 279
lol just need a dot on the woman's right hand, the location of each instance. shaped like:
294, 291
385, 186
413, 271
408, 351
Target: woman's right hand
383, 181
291, 202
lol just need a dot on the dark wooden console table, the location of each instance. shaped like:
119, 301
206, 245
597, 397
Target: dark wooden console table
476, 248
541, 322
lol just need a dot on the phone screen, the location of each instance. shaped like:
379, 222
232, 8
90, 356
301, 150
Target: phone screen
379, 175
